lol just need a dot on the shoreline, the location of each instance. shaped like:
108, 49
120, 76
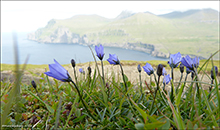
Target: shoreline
129, 46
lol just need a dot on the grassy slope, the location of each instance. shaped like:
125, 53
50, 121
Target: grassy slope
187, 34
154, 63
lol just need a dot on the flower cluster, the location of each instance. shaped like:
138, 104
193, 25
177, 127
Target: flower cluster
58, 72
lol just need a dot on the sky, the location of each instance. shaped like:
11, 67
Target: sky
28, 16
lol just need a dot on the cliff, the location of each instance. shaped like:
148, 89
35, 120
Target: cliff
193, 32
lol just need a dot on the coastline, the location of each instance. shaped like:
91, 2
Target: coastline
129, 46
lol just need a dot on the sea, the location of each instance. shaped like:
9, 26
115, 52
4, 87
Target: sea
44, 53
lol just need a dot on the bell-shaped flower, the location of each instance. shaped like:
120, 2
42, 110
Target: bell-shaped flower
148, 69
175, 60
196, 62
81, 71
99, 52
164, 72
58, 72
214, 71
113, 59
188, 62
139, 68
166, 79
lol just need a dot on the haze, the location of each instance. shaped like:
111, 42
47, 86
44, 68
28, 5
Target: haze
27, 16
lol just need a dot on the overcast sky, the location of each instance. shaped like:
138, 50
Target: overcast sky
27, 16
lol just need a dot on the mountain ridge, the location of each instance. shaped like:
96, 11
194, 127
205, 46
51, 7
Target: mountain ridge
144, 31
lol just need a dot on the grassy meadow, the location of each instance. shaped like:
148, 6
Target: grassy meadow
110, 101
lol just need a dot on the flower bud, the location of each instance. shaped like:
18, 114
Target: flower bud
181, 68
188, 70
159, 69
192, 75
139, 68
73, 63
89, 70
216, 72
33, 84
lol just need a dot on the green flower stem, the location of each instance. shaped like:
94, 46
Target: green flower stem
75, 75
126, 87
179, 82
172, 73
122, 72
171, 93
185, 81
164, 85
103, 77
80, 96
157, 86
140, 83
37, 93
155, 94
210, 89
198, 91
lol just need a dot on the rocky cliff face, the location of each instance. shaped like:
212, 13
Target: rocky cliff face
60, 35
64, 35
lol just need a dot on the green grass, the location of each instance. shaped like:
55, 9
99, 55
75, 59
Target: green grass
50, 106
154, 63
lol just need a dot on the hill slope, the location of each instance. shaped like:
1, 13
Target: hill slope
193, 32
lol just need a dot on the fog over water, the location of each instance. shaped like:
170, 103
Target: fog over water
45, 53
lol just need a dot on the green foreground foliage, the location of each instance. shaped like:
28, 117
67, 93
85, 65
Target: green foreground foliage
51, 106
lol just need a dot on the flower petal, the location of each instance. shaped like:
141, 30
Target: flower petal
196, 62
55, 71
187, 61
166, 79
148, 69
113, 59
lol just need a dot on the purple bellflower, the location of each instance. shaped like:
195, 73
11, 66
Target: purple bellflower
175, 60
166, 79
99, 52
189, 63
113, 59
58, 72
81, 71
148, 69
164, 72
196, 62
